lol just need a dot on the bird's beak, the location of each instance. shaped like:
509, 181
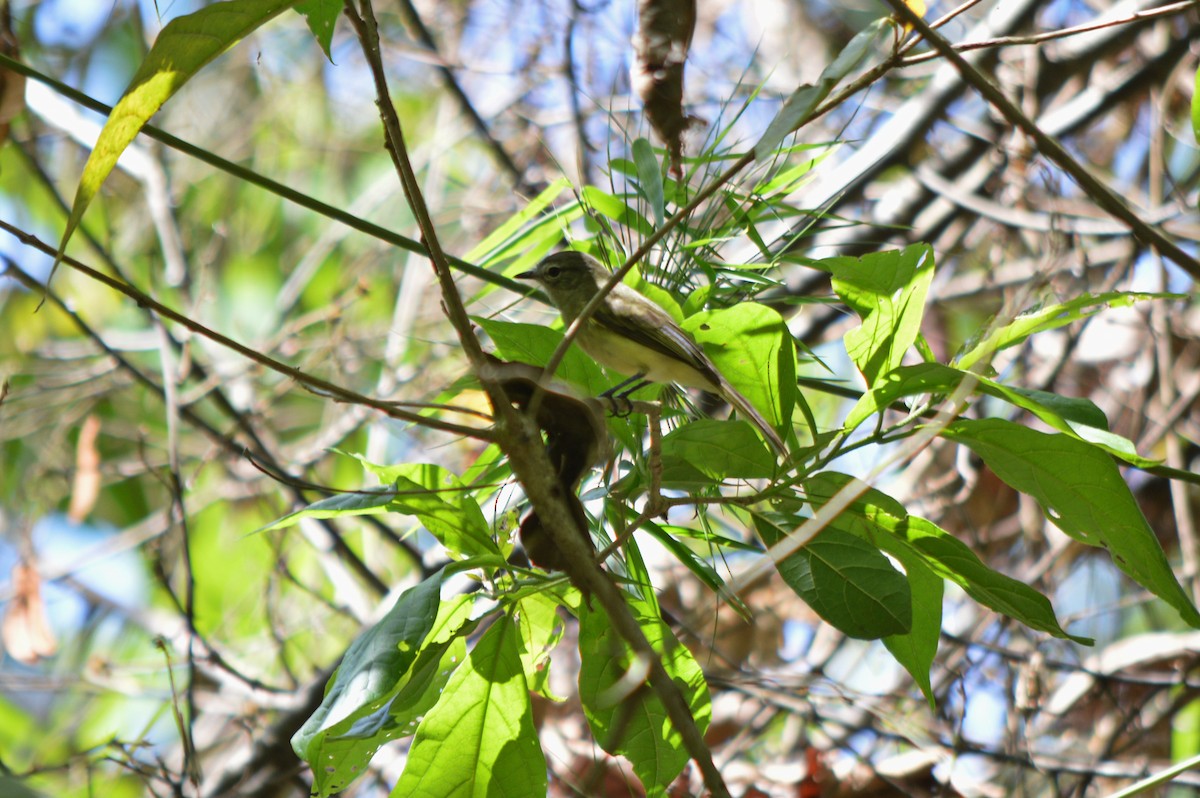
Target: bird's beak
529, 275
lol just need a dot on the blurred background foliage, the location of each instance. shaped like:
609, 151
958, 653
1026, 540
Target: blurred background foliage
136, 458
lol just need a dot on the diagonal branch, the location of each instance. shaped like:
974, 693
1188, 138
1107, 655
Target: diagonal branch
1103, 196
517, 437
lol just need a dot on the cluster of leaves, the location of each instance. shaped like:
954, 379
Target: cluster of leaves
846, 573
468, 709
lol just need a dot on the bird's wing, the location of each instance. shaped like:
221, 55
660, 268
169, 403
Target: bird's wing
662, 335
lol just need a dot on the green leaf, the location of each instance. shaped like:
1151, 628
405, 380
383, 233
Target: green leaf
650, 179
954, 560
344, 757
506, 234
360, 502
616, 209
879, 518
698, 566
1049, 318
479, 740
718, 449
798, 108
631, 721
888, 291
534, 344
442, 504
1196, 108
844, 579
321, 16
541, 629
752, 347
184, 46
371, 673
1077, 417
916, 649
1082, 492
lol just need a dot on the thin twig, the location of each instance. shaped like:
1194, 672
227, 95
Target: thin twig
317, 384
1100, 193
1038, 38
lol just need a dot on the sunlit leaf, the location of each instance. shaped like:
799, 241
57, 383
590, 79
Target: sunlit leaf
322, 17
1049, 317
479, 739
751, 346
343, 734
798, 107
718, 449
888, 291
916, 649
184, 46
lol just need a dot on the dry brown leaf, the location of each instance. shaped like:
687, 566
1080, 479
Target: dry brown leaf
25, 631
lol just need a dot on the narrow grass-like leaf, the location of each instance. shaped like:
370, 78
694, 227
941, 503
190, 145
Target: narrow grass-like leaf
1196, 108
360, 502
798, 107
505, 233
617, 209
649, 175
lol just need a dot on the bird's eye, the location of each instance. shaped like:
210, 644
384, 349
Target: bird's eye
553, 272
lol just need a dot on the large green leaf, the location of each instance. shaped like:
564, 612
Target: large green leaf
844, 579
1077, 417
632, 721
916, 648
1082, 492
479, 740
184, 46
534, 344
322, 17
443, 505
716, 449
541, 629
752, 347
880, 519
343, 734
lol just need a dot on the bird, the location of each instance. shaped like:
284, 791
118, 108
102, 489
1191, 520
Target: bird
632, 335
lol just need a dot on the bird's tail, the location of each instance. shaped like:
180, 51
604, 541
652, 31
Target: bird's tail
746, 410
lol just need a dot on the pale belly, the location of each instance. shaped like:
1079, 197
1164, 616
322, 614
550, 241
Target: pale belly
627, 357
